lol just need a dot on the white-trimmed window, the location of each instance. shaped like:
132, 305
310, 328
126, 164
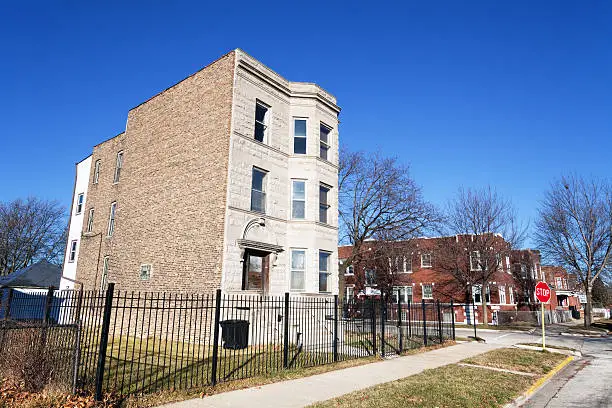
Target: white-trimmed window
96, 175
104, 278
324, 271
111, 219
145, 272
90, 220
261, 121
502, 295
406, 264
477, 294
427, 289
323, 203
298, 199
299, 136
349, 270
79, 203
475, 261
118, 167
298, 269
349, 293
559, 282
370, 277
426, 260
511, 294
73, 250
402, 293
324, 141
508, 264
258, 190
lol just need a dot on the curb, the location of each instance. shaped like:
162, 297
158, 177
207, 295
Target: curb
551, 349
539, 383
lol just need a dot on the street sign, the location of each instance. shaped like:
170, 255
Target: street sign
542, 292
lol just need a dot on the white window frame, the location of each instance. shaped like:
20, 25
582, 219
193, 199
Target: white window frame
149, 272
475, 257
349, 293
73, 250
96, 175
511, 295
305, 137
325, 272
118, 167
90, 220
292, 270
323, 144
423, 285
349, 271
263, 188
423, 265
80, 202
327, 205
104, 277
487, 293
502, 295
111, 219
397, 291
406, 264
265, 122
559, 282
293, 199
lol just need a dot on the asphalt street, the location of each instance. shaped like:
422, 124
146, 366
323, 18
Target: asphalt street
587, 382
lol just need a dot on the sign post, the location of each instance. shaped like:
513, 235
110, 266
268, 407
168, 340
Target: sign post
542, 292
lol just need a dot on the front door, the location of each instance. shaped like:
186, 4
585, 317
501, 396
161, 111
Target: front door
256, 271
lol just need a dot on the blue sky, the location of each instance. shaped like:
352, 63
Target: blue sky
507, 93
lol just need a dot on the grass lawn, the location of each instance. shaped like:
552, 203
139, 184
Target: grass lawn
552, 346
527, 361
456, 386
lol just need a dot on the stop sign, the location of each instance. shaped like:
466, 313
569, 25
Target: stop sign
542, 292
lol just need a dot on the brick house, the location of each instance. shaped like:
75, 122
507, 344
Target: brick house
227, 179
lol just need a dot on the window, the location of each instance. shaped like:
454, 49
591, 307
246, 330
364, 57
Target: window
370, 277
298, 200
145, 272
475, 261
261, 121
324, 271
403, 294
502, 295
79, 203
73, 248
427, 291
104, 278
298, 269
349, 270
258, 191
511, 294
350, 294
559, 282
96, 175
118, 167
323, 203
508, 264
426, 260
407, 264
111, 219
90, 220
477, 294
324, 141
299, 136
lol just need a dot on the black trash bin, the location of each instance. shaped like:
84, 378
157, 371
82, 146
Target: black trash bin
576, 314
235, 334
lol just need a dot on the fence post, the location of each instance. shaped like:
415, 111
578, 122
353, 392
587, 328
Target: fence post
77, 345
410, 319
335, 328
48, 303
383, 306
286, 332
373, 314
108, 306
215, 355
474, 318
399, 324
453, 318
9, 299
424, 322
439, 322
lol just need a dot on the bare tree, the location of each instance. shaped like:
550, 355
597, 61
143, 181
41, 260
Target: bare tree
574, 229
378, 200
30, 230
484, 231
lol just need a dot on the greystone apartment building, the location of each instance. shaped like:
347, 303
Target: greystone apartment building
227, 179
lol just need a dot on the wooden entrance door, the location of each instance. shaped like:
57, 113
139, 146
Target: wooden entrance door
256, 270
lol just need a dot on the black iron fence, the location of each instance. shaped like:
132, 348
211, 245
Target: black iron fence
133, 342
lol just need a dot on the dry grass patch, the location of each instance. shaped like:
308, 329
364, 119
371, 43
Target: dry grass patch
527, 361
552, 346
451, 386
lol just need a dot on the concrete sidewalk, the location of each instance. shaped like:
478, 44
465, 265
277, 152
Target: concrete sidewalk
308, 390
